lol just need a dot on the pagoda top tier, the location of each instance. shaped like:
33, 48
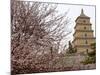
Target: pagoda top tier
82, 14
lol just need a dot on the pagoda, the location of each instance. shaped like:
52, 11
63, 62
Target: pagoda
83, 36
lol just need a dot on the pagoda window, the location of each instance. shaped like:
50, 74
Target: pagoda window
84, 21
84, 27
86, 42
85, 35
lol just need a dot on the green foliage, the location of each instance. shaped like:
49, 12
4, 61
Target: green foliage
93, 46
89, 60
71, 49
91, 56
92, 53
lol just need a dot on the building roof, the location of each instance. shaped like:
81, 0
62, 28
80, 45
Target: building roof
82, 14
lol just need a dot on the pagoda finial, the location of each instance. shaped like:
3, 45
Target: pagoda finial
82, 12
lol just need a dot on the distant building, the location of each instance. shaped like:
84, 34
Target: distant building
83, 36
